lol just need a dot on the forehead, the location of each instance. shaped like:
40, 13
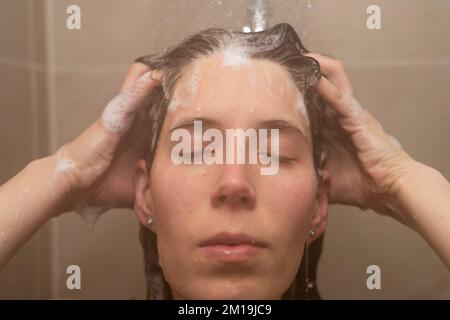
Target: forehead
229, 83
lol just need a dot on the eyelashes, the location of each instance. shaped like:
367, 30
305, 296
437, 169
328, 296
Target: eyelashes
286, 160
281, 159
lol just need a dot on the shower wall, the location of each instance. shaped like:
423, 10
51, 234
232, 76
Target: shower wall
55, 82
23, 132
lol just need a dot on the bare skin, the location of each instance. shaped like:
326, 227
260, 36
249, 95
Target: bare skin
369, 169
277, 210
378, 174
101, 166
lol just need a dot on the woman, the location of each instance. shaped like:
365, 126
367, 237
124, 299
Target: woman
265, 96
334, 153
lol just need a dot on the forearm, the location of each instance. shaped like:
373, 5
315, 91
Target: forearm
27, 202
423, 201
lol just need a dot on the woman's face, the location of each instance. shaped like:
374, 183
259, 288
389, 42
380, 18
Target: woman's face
191, 203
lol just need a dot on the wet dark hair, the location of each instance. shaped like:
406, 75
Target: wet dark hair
279, 44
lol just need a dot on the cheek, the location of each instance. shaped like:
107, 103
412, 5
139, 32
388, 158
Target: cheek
300, 196
175, 196
177, 187
292, 199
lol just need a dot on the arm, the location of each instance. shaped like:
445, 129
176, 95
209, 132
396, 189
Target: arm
82, 174
27, 202
423, 198
369, 169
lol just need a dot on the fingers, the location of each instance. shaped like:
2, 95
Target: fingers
353, 118
136, 71
120, 111
334, 70
336, 88
92, 151
344, 104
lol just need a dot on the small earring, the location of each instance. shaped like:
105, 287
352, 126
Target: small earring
150, 220
312, 232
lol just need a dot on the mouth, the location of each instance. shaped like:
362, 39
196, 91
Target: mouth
227, 247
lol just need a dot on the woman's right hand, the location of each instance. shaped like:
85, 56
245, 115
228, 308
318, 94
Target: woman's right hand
97, 167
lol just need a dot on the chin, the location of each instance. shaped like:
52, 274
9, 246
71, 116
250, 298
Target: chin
232, 290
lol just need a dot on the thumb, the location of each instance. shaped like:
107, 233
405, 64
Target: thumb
120, 111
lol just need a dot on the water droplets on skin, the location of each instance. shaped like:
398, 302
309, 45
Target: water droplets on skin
64, 165
4, 237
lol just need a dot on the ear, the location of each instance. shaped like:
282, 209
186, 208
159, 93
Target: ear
142, 203
320, 216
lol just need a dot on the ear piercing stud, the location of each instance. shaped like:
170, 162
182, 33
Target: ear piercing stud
150, 220
312, 232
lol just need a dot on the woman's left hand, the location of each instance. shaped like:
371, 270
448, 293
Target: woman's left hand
365, 164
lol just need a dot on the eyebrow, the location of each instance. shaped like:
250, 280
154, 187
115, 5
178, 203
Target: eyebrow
266, 124
188, 123
283, 125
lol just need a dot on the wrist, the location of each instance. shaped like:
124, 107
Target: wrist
54, 184
407, 187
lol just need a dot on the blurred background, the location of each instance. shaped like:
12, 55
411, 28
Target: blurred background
54, 82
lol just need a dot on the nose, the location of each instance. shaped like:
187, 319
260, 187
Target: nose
234, 188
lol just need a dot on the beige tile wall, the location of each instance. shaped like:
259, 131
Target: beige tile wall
400, 73
23, 132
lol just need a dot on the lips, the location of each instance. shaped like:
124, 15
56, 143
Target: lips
229, 239
227, 247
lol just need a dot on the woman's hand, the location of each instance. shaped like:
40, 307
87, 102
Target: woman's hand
90, 174
98, 165
366, 165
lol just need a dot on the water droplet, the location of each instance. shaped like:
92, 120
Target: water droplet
4, 237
